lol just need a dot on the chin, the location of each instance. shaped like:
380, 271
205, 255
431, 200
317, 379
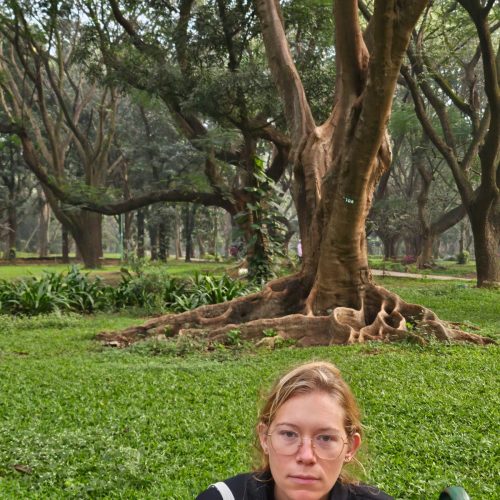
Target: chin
305, 494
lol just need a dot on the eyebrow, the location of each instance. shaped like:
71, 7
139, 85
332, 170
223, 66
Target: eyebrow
322, 429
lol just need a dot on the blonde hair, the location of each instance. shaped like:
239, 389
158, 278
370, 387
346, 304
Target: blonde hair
318, 376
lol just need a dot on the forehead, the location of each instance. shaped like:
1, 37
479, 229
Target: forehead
311, 410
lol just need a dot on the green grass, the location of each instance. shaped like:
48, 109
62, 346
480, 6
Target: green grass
89, 422
176, 268
16, 271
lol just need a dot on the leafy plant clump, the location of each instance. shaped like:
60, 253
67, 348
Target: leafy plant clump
52, 292
205, 289
148, 287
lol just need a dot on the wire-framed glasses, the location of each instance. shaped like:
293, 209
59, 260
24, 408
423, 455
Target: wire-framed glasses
327, 446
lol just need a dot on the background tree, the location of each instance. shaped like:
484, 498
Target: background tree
402, 210
472, 88
16, 185
65, 122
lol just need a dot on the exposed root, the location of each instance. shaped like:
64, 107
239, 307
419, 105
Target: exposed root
279, 307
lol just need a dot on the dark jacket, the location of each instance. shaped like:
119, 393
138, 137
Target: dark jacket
254, 487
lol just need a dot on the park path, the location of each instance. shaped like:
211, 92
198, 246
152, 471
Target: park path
381, 272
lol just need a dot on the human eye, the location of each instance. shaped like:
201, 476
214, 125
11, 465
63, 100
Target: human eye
288, 434
327, 439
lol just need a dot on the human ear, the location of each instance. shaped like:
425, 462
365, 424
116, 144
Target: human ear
262, 431
354, 444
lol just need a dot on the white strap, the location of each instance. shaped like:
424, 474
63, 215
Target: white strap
224, 490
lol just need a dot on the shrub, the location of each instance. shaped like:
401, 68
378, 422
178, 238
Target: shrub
52, 292
205, 289
151, 288
463, 257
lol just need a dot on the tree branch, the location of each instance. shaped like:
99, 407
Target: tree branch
297, 110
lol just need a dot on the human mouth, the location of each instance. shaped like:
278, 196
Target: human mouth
303, 479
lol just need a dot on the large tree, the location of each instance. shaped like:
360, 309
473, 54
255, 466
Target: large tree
337, 165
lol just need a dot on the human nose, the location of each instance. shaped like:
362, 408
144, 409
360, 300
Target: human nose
305, 453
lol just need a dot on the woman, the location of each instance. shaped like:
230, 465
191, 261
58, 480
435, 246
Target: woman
308, 429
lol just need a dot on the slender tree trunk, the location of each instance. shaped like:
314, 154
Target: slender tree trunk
140, 234
153, 241
65, 244
163, 242
127, 234
425, 259
201, 246
178, 247
461, 239
43, 227
12, 230
189, 217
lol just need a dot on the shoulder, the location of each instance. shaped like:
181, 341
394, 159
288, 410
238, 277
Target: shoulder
365, 492
237, 484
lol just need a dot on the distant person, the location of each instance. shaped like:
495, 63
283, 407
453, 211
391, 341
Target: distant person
308, 429
299, 249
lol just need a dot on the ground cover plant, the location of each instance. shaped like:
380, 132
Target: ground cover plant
81, 421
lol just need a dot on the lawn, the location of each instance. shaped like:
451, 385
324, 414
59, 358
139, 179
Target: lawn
81, 421
175, 267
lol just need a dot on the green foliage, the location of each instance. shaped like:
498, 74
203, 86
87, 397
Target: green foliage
72, 291
463, 257
205, 289
263, 216
269, 332
233, 337
150, 288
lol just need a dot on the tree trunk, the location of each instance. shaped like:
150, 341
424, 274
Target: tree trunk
426, 258
127, 234
140, 234
486, 230
189, 219
163, 241
43, 227
178, 247
461, 239
153, 241
87, 233
390, 243
201, 246
11, 231
65, 244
